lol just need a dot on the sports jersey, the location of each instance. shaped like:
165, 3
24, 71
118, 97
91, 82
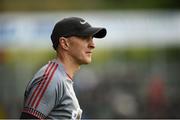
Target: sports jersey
50, 94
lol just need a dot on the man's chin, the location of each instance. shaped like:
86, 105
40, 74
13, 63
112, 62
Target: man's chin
89, 61
86, 62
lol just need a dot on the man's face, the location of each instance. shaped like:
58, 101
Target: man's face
80, 49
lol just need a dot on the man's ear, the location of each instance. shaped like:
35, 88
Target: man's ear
64, 43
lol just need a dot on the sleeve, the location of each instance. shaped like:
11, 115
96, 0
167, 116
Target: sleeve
42, 96
27, 116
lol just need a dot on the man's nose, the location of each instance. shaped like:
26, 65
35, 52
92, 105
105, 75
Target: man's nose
91, 44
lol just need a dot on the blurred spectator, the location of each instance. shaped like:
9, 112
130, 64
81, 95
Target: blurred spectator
157, 98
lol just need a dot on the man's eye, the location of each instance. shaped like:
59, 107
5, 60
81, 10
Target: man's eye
85, 37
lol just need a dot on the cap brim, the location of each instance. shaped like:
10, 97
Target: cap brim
95, 32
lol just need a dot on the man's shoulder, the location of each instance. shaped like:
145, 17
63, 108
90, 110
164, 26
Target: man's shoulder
51, 70
44, 69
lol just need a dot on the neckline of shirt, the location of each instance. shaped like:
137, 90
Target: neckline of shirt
62, 65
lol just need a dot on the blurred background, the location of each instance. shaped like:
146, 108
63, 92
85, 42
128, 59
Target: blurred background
135, 69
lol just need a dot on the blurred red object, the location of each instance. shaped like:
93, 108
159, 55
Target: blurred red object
157, 99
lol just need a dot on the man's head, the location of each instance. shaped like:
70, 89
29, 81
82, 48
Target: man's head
75, 36
74, 26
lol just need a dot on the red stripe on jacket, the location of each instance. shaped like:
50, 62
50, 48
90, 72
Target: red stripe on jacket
42, 84
46, 86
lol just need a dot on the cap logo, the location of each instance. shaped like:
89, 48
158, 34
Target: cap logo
83, 22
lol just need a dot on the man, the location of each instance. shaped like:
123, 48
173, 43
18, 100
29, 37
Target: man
50, 93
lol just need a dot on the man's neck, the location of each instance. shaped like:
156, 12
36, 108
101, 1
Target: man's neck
70, 66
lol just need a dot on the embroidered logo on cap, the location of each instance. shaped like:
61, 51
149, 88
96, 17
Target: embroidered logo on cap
83, 22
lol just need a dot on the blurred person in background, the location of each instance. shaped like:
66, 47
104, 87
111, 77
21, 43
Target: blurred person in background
50, 93
157, 98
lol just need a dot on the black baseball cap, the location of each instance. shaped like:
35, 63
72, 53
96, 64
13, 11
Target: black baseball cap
75, 26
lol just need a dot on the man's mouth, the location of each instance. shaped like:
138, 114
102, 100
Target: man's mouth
89, 53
